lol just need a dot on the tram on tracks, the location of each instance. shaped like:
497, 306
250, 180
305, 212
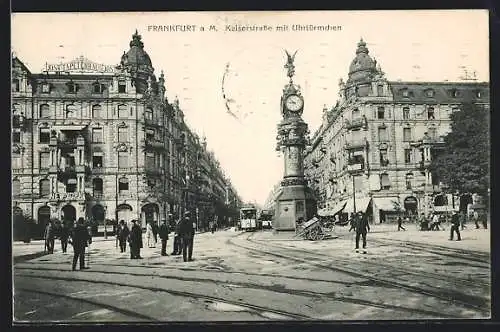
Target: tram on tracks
248, 219
266, 219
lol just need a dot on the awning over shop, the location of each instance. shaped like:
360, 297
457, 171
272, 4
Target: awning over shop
443, 208
386, 203
332, 211
361, 204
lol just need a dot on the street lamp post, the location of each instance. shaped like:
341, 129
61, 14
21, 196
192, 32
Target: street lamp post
353, 195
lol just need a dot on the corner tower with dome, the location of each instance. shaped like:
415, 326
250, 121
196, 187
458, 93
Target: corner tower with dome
373, 149
102, 142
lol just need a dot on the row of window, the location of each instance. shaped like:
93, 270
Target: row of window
385, 182
71, 186
455, 93
407, 134
152, 161
71, 111
381, 113
97, 112
72, 87
384, 160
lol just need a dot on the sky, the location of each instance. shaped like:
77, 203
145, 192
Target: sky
412, 45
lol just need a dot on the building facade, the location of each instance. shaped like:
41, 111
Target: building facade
378, 140
104, 143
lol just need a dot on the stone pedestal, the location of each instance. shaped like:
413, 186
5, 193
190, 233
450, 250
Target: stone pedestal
294, 202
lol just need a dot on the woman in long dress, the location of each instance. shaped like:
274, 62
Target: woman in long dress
150, 236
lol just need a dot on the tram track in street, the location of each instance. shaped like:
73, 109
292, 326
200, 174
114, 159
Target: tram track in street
271, 288
427, 274
252, 308
474, 256
204, 270
352, 268
128, 313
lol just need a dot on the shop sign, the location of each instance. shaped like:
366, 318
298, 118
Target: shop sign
80, 65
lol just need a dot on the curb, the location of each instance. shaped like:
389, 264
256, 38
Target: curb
27, 257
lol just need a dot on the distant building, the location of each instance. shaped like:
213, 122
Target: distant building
103, 142
379, 139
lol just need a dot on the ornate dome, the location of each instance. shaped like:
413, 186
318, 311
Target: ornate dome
363, 66
136, 58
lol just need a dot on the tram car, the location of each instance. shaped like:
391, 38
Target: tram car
248, 219
266, 219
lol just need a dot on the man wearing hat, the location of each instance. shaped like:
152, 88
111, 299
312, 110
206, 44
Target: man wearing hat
177, 238
186, 233
135, 240
163, 232
80, 239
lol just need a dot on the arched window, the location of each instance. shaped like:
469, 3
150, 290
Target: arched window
430, 113
72, 87
406, 113
356, 114
122, 185
97, 87
409, 180
97, 187
380, 113
432, 132
16, 187
122, 86
70, 111
44, 111
122, 111
122, 134
382, 134
407, 134
71, 185
385, 183
380, 90
96, 111
148, 114
15, 85
44, 188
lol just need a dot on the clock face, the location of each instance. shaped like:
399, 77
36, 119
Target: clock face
294, 103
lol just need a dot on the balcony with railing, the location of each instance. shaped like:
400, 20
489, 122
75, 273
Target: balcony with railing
154, 144
67, 143
152, 122
356, 144
355, 165
356, 123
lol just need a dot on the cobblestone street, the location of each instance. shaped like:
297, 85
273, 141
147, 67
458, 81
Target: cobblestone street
262, 276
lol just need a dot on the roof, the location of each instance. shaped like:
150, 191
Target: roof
17, 62
439, 92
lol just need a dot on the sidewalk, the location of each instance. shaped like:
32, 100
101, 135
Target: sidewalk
24, 251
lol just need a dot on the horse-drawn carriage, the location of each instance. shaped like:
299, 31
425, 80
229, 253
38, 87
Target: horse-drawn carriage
315, 229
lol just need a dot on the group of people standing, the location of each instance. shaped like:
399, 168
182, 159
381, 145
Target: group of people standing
183, 237
79, 236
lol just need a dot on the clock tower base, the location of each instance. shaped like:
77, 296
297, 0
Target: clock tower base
294, 202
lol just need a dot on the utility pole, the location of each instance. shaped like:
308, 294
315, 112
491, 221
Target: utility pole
353, 195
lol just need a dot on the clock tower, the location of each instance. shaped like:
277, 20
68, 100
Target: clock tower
295, 200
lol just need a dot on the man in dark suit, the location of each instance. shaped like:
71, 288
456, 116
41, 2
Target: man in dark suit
64, 235
122, 235
135, 240
455, 225
49, 237
163, 232
80, 239
177, 239
186, 232
361, 229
